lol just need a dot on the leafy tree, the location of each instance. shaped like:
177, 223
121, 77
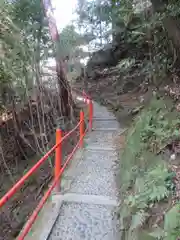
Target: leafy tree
30, 18
69, 40
15, 52
94, 18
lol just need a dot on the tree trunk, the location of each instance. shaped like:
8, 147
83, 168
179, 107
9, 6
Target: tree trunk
64, 88
171, 24
173, 30
37, 39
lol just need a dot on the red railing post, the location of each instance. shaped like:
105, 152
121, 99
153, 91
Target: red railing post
90, 114
81, 128
58, 157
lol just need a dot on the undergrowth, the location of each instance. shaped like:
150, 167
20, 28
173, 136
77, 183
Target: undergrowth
147, 210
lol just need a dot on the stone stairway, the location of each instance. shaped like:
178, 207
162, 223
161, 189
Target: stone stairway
89, 190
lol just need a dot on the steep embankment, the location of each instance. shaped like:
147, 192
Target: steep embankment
149, 175
120, 87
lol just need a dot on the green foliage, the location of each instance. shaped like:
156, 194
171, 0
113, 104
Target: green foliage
138, 219
172, 223
95, 19
70, 40
158, 233
15, 53
148, 32
125, 65
171, 229
145, 177
30, 18
24, 41
160, 125
125, 12
173, 9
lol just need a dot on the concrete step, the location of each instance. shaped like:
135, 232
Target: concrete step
95, 174
103, 140
97, 148
83, 198
104, 119
110, 124
81, 221
104, 129
101, 136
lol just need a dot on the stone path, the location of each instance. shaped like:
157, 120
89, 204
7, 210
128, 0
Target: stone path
88, 205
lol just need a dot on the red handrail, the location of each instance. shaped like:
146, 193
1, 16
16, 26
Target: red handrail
14, 189
58, 169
